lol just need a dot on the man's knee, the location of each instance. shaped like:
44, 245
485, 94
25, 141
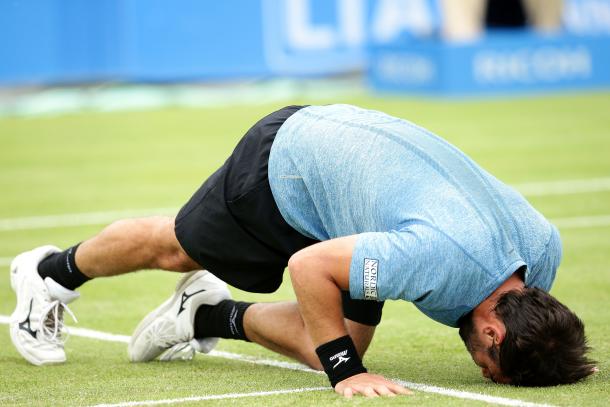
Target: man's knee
167, 252
309, 356
315, 363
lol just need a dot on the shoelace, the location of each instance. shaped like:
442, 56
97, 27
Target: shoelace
52, 316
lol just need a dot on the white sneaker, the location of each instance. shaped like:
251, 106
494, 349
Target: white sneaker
170, 326
37, 323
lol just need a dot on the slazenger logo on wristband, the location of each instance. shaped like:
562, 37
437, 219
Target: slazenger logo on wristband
339, 356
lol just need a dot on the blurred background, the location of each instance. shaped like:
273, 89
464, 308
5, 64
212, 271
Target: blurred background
91, 54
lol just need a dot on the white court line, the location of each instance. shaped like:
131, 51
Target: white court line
89, 333
577, 222
503, 401
101, 218
580, 222
564, 187
78, 219
212, 397
560, 187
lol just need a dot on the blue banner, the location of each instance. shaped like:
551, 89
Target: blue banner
498, 64
55, 41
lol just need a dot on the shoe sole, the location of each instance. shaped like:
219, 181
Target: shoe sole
28, 356
186, 280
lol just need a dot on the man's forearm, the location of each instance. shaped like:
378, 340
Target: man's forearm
318, 274
319, 300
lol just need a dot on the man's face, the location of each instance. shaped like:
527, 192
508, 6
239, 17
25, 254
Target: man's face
489, 368
484, 352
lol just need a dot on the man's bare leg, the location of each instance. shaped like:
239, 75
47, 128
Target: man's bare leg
44, 279
131, 245
280, 328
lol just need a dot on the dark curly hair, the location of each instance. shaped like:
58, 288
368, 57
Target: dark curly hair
545, 343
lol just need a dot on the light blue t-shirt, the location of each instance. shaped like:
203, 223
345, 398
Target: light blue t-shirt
433, 227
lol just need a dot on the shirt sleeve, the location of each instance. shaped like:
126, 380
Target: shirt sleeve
421, 265
392, 265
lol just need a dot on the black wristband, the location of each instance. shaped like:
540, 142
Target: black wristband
340, 359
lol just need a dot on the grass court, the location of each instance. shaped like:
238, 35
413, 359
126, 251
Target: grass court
556, 149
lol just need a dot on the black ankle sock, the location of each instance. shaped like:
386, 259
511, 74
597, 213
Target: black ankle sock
223, 320
62, 268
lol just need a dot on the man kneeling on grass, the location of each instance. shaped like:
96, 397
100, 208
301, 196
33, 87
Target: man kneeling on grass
362, 207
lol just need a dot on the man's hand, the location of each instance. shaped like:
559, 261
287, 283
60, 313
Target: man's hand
369, 385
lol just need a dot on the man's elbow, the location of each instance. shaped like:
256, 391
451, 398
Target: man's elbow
304, 266
296, 265
309, 266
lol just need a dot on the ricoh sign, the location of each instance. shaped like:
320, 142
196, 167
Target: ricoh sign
495, 65
548, 64
406, 68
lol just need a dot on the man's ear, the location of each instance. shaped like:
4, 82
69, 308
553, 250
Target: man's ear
494, 334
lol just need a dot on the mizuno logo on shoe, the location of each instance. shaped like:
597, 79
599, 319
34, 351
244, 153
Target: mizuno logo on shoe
184, 298
25, 325
340, 358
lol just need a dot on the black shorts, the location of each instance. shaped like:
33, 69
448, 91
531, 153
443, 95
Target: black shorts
232, 226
